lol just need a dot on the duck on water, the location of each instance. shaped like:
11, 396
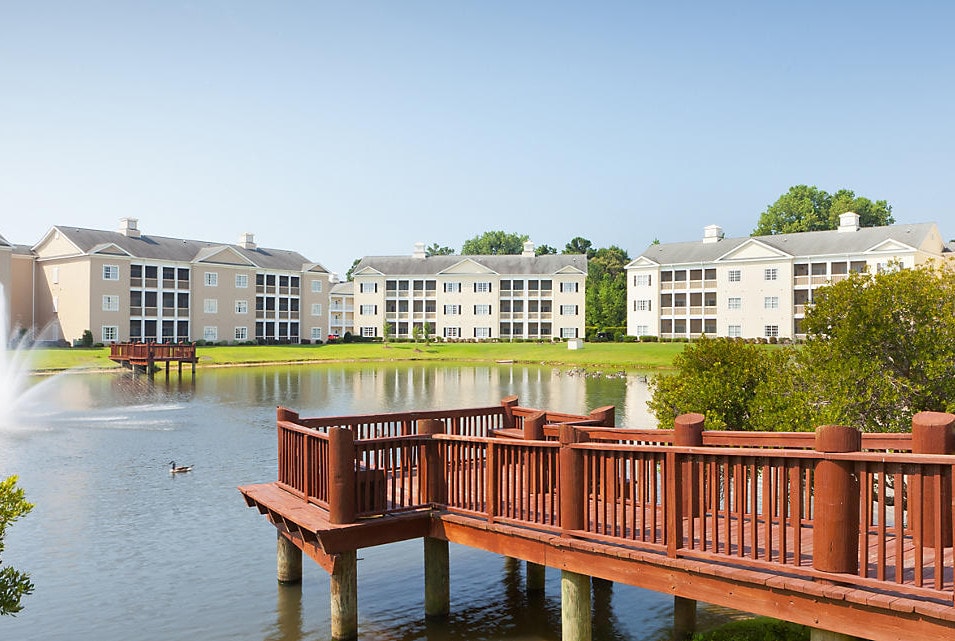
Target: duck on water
178, 469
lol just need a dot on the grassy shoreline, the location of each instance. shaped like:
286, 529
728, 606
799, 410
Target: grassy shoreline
599, 356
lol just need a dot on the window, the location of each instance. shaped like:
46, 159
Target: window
210, 305
212, 279
452, 288
770, 273
643, 330
110, 303
241, 333
641, 280
452, 332
368, 288
771, 302
771, 331
482, 332
734, 302
316, 289
452, 310
241, 307
110, 333
318, 334
568, 332
734, 275
369, 332
568, 287
734, 331
316, 309
482, 310
482, 288
241, 280
368, 310
110, 272
568, 310
210, 333
641, 305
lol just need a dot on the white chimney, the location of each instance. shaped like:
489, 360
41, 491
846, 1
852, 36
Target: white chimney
419, 251
712, 234
528, 248
128, 227
848, 221
247, 240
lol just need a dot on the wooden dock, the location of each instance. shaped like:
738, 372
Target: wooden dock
146, 356
839, 531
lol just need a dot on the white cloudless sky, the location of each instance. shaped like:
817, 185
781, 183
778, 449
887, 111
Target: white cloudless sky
343, 129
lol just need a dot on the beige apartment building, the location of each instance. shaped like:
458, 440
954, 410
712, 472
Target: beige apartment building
125, 285
499, 297
760, 286
341, 311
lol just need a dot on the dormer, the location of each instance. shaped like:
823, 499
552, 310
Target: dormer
129, 227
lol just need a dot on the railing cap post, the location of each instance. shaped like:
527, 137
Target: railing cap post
429, 426
933, 433
606, 415
838, 438
688, 430
285, 414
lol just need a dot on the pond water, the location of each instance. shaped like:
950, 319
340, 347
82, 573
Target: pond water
120, 549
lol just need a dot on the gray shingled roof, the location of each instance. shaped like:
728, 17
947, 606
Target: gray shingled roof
500, 264
812, 243
180, 249
4, 243
346, 288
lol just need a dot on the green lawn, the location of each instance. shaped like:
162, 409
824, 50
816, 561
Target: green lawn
624, 356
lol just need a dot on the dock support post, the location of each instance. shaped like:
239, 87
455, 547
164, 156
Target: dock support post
684, 617
932, 434
816, 634
344, 597
289, 560
536, 577
575, 619
437, 584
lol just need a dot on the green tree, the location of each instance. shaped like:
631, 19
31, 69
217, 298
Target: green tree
494, 242
542, 250
805, 208
579, 245
606, 289
881, 347
14, 585
351, 270
716, 377
438, 250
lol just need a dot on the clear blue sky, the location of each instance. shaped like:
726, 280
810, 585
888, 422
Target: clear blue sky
342, 129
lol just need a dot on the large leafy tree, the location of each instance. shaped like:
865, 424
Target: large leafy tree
434, 249
494, 242
606, 294
14, 585
882, 347
579, 245
717, 377
805, 208
543, 250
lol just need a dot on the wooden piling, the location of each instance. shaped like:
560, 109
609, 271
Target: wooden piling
341, 467
344, 597
575, 612
289, 560
437, 583
688, 432
536, 577
684, 618
573, 504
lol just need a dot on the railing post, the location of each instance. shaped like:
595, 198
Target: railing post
431, 462
341, 486
688, 432
572, 490
491, 481
509, 403
534, 426
835, 532
605, 416
673, 484
932, 433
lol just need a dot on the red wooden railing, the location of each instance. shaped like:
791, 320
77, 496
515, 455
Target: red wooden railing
151, 352
858, 510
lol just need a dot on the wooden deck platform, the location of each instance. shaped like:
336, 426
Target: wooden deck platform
744, 527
